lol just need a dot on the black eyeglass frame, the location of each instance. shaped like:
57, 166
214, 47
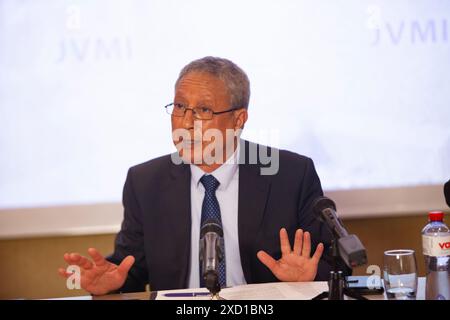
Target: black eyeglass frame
213, 113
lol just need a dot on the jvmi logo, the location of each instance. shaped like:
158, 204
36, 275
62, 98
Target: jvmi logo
413, 31
95, 49
90, 48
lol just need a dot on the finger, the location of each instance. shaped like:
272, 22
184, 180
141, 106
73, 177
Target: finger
67, 258
99, 260
63, 273
72, 258
318, 253
267, 260
77, 259
125, 265
306, 250
298, 242
284, 241
85, 263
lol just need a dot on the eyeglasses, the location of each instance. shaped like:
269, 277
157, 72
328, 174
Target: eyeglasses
200, 113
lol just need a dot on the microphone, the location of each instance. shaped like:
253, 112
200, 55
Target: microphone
211, 243
447, 192
350, 248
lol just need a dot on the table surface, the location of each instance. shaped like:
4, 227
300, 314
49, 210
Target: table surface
152, 295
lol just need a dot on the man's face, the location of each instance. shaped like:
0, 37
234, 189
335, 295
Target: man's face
204, 90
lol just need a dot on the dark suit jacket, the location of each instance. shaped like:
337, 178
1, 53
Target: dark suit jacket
156, 228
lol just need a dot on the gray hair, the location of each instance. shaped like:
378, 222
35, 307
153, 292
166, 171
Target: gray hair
233, 77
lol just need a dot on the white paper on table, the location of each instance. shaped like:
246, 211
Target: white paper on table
261, 291
275, 291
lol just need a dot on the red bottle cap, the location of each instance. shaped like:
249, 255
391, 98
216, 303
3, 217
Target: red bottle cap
436, 216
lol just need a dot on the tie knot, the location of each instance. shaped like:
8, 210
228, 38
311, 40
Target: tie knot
209, 182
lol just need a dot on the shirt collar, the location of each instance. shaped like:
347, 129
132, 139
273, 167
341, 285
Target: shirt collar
224, 174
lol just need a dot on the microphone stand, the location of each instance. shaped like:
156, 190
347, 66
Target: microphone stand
336, 283
213, 285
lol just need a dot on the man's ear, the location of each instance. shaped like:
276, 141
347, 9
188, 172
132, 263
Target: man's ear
240, 116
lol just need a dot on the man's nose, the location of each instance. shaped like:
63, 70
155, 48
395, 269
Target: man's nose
188, 119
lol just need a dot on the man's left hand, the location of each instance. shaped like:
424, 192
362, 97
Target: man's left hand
294, 265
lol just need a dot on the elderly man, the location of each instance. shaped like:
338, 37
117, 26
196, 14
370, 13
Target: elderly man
213, 174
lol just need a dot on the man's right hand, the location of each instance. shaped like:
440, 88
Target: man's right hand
98, 276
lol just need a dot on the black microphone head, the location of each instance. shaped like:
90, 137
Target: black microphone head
211, 225
322, 203
447, 192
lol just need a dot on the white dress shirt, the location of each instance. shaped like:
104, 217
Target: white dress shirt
227, 195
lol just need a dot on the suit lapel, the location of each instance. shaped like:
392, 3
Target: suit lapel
179, 216
253, 194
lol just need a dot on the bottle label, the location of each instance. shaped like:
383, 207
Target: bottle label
436, 246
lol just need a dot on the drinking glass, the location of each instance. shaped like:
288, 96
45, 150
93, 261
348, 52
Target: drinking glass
400, 274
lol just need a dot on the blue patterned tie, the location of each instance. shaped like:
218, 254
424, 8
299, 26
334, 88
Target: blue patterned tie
211, 210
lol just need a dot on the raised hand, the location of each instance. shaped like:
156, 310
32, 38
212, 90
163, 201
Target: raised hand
98, 276
294, 265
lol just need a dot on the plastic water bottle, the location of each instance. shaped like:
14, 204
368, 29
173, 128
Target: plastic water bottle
436, 250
